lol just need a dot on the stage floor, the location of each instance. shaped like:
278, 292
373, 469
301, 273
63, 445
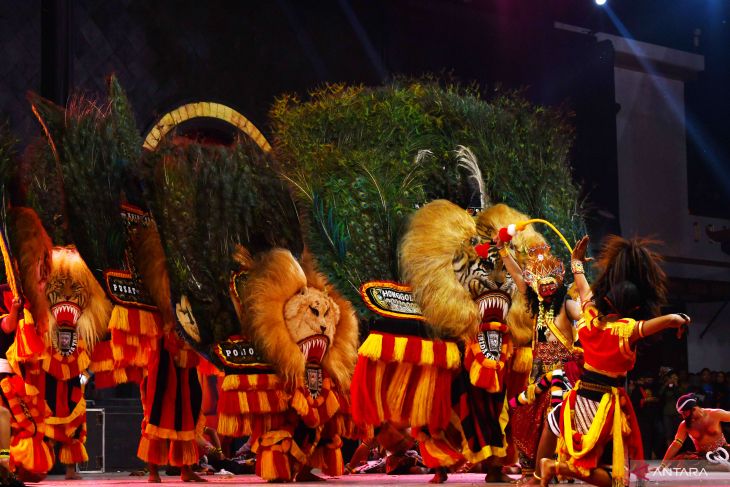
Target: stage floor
123, 478
467, 479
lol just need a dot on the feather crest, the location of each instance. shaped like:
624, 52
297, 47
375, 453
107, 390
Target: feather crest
468, 161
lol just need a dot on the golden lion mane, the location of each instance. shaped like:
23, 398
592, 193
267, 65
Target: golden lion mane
434, 236
274, 277
94, 319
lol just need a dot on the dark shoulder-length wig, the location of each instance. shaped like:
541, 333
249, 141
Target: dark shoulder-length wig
631, 283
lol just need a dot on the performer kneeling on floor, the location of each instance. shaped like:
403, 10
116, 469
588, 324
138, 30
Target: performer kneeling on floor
596, 417
704, 427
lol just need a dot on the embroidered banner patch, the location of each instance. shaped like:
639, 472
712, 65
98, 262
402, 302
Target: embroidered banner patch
390, 299
124, 285
238, 353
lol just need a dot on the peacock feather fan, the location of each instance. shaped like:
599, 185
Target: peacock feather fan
207, 199
360, 160
92, 143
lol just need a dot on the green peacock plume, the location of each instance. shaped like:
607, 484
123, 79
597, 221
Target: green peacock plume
89, 146
207, 199
360, 160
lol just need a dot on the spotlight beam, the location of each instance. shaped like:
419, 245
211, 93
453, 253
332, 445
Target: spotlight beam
694, 131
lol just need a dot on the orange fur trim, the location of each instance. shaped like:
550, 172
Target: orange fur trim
153, 450
438, 452
245, 382
328, 458
272, 461
183, 453
435, 233
32, 454
31, 246
72, 453
169, 434
409, 349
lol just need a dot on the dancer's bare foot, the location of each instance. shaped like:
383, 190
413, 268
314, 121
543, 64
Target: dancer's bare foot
154, 477
496, 476
440, 476
187, 475
306, 475
547, 468
527, 480
26, 476
71, 473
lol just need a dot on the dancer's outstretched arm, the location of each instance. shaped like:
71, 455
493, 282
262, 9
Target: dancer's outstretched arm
512, 266
577, 258
675, 445
658, 324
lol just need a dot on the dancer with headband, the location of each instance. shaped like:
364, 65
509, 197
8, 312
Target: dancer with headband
704, 426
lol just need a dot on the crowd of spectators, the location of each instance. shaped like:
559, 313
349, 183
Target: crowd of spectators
654, 398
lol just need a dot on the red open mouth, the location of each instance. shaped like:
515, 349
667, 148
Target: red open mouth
548, 289
66, 313
314, 348
494, 306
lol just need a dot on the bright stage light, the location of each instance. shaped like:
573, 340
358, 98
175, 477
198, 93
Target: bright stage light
600, 2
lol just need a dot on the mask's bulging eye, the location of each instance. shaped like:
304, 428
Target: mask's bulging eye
314, 311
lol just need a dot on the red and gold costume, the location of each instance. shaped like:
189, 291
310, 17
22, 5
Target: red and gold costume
555, 357
288, 427
28, 411
78, 310
170, 388
598, 412
285, 387
450, 390
405, 379
171, 399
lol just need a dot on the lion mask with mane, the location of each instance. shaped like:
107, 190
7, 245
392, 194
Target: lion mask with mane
76, 300
296, 317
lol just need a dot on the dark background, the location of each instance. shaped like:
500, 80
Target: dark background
246, 53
